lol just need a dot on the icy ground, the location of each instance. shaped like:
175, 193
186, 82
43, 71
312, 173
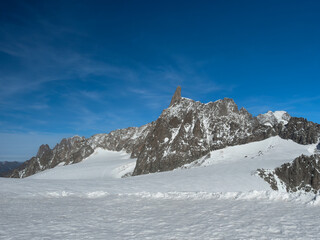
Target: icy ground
215, 198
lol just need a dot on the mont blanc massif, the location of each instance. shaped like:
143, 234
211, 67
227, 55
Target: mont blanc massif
199, 171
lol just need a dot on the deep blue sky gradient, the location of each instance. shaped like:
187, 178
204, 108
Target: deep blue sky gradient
85, 67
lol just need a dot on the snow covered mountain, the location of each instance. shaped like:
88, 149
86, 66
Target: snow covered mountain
184, 132
273, 118
225, 166
231, 169
189, 130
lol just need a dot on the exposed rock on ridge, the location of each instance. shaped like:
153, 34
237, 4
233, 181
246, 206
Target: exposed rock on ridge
176, 96
186, 131
273, 118
189, 130
301, 131
75, 149
301, 174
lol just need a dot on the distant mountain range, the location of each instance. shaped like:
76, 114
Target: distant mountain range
187, 131
7, 167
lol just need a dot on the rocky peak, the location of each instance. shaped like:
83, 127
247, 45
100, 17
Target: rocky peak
43, 149
224, 107
176, 96
273, 118
70, 142
188, 130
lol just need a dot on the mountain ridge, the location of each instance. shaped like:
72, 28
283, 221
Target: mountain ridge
186, 131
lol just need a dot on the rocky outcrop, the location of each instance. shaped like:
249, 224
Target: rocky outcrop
301, 174
176, 96
188, 130
6, 167
75, 149
274, 118
71, 150
301, 131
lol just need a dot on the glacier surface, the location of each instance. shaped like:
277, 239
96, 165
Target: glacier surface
216, 197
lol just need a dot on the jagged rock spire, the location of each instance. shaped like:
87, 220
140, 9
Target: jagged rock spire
176, 96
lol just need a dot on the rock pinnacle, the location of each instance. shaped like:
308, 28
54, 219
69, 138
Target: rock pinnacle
176, 96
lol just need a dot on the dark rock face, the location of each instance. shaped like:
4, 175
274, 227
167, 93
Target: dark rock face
301, 131
176, 96
301, 174
189, 130
269, 177
318, 146
6, 167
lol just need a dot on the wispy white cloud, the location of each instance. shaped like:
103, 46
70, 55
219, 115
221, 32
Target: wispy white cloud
43, 61
46, 64
159, 83
39, 106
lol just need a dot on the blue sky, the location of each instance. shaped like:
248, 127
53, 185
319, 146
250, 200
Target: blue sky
85, 67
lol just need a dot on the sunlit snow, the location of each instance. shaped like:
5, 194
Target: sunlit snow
216, 197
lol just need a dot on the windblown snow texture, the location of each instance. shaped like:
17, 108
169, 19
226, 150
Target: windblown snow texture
217, 197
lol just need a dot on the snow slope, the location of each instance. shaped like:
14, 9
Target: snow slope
100, 165
227, 170
218, 197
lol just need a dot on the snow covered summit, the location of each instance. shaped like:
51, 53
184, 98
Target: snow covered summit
273, 118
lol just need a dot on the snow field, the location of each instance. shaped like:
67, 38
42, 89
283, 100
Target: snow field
133, 217
219, 197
